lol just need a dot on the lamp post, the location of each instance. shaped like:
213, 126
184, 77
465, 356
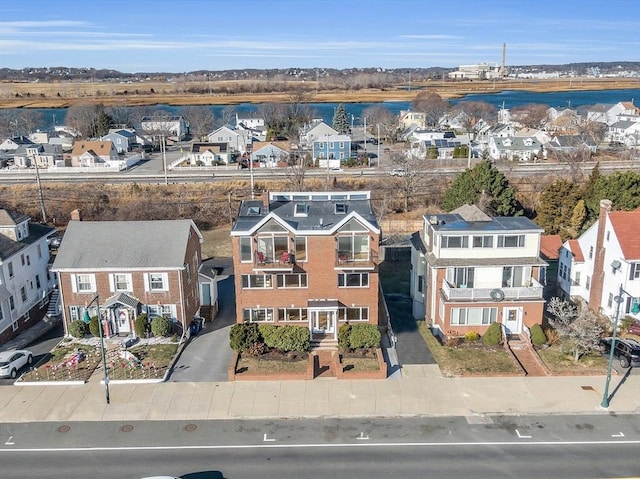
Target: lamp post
635, 309
102, 346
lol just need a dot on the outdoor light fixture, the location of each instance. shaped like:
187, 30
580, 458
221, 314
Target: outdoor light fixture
635, 309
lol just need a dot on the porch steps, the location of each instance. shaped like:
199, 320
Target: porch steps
528, 358
324, 344
53, 308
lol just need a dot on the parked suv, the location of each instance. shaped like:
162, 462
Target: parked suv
627, 351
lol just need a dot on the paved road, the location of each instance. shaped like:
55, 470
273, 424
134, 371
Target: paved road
208, 354
479, 447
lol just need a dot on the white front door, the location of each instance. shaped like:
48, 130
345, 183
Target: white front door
512, 320
323, 321
122, 319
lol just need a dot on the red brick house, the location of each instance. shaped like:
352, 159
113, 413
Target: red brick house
307, 259
132, 267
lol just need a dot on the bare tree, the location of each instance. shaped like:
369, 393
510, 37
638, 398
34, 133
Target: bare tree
121, 115
578, 327
9, 123
432, 105
594, 130
82, 118
533, 115
474, 112
381, 116
229, 114
407, 177
200, 118
296, 172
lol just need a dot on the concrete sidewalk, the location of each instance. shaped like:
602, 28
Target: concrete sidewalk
417, 393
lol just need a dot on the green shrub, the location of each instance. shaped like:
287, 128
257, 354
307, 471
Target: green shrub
471, 336
94, 327
243, 336
344, 331
293, 338
78, 329
141, 325
493, 335
161, 326
270, 334
364, 336
538, 337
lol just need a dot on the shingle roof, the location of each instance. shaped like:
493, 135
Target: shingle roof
625, 224
9, 247
124, 244
575, 248
11, 217
550, 246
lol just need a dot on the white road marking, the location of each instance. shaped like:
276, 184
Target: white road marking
9, 441
620, 434
265, 439
362, 437
521, 436
331, 445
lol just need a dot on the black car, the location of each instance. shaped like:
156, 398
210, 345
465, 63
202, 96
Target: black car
54, 240
627, 351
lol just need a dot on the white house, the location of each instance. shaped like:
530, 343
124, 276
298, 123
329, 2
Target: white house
516, 148
603, 259
173, 127
314, 131
238, 140
25, 281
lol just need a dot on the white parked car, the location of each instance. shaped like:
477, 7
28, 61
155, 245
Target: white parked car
11, 362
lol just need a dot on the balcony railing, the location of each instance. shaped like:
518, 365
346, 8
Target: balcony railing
281, 261
452, 293
358, 259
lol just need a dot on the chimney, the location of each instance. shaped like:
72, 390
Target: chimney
597, 280
75, 215
265, 199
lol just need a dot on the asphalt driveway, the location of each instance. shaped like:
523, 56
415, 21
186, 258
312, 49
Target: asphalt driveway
208, 354
410, 347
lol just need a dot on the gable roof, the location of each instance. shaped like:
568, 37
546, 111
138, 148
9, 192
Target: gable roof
11, 217
625, 224
99, 245
550, 246
576, 250
98, 147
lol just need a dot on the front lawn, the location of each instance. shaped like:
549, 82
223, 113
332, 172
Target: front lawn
468, 359
66, 362
270, 363
562, 363
147, 361
352, 362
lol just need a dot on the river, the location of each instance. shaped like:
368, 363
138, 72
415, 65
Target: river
507, 98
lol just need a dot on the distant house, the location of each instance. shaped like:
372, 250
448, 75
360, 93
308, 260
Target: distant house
314, 131
93, 153
10, 144
132, 267
238, 140
209, 154
626, 132
25, 282
249, 122
40, 155
173, 127
516, 149
121, 139
605, 112
408, 118
568, 144
271, 154
335, 148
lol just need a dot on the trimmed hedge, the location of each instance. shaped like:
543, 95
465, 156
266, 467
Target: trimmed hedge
538, 338
243, 336
94, 327
141, 325
364, 336
78, 329
493, 335
344, 331
161, 326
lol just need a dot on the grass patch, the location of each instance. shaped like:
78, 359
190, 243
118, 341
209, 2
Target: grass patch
66, 362
147, 361
560, 362
360, 363
268, 365
467, 360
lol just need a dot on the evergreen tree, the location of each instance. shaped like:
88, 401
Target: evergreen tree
340, 121
577, 218
486, 180
556, 207
102, 122
622, 188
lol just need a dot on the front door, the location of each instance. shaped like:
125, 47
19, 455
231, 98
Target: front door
512, 320
123, 324
323, 322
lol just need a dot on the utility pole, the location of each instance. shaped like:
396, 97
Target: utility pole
40, 195
163, 145
378, 164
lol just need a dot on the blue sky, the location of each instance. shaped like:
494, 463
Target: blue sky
180, 36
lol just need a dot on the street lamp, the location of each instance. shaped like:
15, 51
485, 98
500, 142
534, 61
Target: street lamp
635, 309
102, 346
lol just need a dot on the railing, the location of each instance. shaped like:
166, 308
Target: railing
282, 260
534, 291
356, 259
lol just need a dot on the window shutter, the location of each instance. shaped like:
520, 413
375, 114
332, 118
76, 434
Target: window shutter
74, 286
632, 270
146, 282
112, 280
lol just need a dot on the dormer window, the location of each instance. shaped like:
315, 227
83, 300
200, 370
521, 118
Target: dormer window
340, 209
253, 211
301, 209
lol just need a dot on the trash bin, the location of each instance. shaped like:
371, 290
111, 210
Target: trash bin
195, 327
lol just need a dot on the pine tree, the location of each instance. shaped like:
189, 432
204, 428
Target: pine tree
556, 207
340, 121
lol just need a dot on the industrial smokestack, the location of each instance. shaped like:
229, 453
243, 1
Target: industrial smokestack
503, 67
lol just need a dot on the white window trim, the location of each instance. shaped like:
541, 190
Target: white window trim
165, 283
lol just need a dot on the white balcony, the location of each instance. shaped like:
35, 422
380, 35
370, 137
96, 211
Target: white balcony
532, 292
